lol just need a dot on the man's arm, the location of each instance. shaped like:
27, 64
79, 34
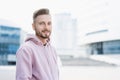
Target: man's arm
23, 64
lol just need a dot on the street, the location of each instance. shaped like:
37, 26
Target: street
75, 69
90, 73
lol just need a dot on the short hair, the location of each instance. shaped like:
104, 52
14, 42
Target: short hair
40, 12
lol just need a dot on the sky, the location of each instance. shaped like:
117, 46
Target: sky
20, 11
89, 13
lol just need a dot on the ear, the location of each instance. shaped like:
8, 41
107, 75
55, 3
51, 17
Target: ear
33, 26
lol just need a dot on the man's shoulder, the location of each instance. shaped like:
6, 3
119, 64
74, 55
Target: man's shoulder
25, 45
24, 48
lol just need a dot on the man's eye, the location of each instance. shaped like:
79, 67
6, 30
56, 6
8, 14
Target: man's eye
41, 23
49, 23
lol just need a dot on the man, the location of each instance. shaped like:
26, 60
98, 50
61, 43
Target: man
36, 58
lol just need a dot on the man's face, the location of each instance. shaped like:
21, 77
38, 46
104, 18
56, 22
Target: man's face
43, 26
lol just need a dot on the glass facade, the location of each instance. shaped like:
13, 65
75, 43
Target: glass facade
9, 43
107, 47
112, 47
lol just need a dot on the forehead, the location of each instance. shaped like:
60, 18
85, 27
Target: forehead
43, 18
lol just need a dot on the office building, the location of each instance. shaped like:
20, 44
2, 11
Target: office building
9, 42
64, 33
100, 27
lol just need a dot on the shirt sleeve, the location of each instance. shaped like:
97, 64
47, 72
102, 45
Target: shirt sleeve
23, 64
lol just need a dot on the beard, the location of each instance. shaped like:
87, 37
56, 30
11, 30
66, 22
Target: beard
45, 34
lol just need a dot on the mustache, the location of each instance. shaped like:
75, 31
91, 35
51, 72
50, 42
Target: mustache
46, 30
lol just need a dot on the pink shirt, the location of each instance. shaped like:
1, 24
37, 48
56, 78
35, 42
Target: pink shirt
36, 61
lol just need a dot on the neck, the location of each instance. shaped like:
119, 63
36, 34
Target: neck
44, 41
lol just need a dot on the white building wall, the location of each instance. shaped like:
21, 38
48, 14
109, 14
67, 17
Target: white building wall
99, 15
64, 33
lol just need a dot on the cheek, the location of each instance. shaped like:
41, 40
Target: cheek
39, 28
50, 28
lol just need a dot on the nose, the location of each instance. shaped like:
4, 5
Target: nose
47, 25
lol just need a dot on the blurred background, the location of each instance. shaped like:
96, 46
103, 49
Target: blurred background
85, 35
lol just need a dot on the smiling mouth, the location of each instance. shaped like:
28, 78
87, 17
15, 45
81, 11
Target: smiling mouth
46, 33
